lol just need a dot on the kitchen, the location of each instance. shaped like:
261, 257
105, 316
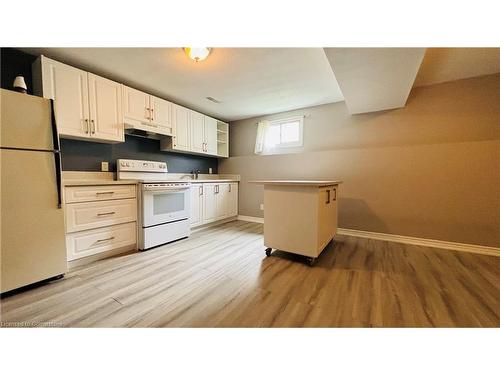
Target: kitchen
124, 206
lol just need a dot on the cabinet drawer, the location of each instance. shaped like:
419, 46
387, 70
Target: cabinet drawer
89, 215
90, 242
74, 194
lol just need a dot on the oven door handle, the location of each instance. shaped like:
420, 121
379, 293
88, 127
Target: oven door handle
163, 190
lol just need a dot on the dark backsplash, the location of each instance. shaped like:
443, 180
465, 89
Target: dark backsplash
15, 63
87, 156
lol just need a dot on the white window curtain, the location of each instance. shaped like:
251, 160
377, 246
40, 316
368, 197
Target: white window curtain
261, 136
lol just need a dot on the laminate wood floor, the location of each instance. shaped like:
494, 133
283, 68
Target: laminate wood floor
220, 277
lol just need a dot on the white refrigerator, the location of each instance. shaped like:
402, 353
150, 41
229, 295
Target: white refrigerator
32, 221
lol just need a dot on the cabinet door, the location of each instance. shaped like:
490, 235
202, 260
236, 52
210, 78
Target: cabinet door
135, 105
197, 132
196, 215
221, 201
161, 115
232, 199
106, 117
68, 87
182, 134
210, 135
209, 203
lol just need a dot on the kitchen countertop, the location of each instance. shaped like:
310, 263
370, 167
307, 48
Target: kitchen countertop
297, 182
204, 181
128, 182
97, 182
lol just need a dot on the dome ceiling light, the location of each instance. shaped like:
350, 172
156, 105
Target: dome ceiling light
197, 54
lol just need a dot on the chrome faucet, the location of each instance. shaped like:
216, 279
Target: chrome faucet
195, 174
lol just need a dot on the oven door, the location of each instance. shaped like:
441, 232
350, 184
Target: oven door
164, 206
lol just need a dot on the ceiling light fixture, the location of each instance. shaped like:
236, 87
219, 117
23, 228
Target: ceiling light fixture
197, 54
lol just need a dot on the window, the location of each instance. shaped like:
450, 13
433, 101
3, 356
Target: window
279, 135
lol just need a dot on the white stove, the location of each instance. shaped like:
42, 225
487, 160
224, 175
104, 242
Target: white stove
163, 203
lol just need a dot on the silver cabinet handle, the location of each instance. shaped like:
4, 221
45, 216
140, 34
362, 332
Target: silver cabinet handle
152, 110
216, 189
229, 187
105, 239
200, 192
335, 194
86, 127
148, 113
93, 126
106, 213
104, 192
328, 196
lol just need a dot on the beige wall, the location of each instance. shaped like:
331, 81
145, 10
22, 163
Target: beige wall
431, 169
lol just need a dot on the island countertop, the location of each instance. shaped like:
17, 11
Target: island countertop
297, 182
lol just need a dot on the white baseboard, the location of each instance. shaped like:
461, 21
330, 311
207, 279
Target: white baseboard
252, 219
486, 250
469, 248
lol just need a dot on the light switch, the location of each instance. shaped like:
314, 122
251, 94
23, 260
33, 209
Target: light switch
105, 166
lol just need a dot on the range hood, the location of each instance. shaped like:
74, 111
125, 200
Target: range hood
142, 133
139, 129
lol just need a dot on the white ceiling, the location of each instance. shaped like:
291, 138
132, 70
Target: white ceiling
248, 82
449, 64
251, 82
375, 79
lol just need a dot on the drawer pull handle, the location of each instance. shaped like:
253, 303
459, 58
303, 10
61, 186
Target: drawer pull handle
328, 196
104, 192
106, 213
105, 239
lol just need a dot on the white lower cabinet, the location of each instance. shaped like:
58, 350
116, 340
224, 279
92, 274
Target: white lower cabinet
212, 202
91, 242
99, 219
232, 199
209, 203
196, 212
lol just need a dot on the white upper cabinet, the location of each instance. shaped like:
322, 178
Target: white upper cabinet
136, 106
94, 108
147, 112
203, 134
181, 140
68, 87
86, 106
161, 115
106, 120
197, 132
210, 135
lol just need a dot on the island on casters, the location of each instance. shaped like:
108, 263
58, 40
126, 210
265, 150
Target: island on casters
300, 217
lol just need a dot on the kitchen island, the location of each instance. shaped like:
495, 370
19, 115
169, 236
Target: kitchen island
300, 217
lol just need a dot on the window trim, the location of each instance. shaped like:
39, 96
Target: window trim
287, 145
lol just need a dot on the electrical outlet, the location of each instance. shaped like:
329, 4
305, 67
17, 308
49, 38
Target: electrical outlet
209, 170
262, 206
105, 166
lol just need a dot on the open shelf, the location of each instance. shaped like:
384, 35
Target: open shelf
222, 139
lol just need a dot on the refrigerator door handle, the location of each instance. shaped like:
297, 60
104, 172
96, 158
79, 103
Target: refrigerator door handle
57, 154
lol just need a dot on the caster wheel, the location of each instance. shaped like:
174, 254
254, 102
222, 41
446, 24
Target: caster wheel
268, 251
311, 261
